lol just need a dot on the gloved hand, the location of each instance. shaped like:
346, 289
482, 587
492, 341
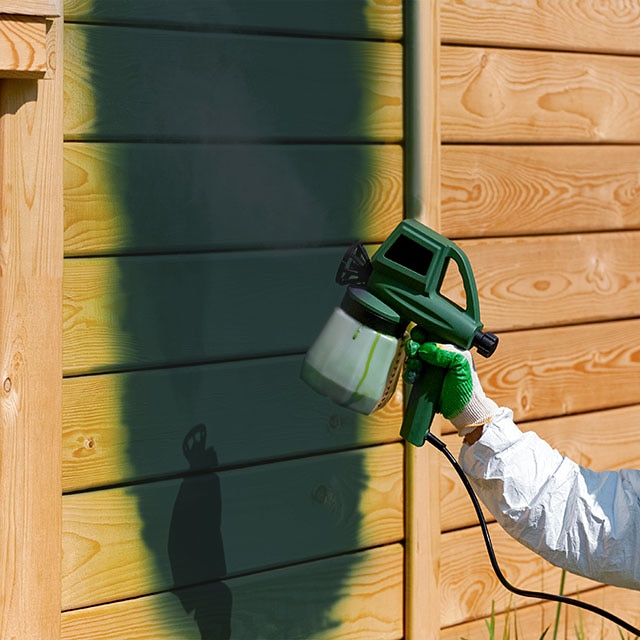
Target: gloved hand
462, 400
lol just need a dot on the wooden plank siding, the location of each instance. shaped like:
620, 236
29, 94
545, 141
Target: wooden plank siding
217, 164
270, 604
366, 181
23, 47
539, 181
31, 211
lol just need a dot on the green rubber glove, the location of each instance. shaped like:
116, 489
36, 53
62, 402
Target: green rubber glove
462, 400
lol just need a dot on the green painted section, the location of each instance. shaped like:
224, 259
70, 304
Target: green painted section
196, 308
190, 197
241, 309
174, 85
324, 17
209, 526
255, 411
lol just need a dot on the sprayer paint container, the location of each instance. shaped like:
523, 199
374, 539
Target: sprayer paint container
357, 357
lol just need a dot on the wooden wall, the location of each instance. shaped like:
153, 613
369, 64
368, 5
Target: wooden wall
540, 176
31, 227
218, 160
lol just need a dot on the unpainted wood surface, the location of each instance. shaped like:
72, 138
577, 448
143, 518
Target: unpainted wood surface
136, 198
131, 541
625, 603
517, 96
23, 47
277, 604
532, 620
47, 8
543, 24
422, 180
565, 370
361, 18
529, 618
585, 438
542, 281
508, 190
30, 352
123, 427
469, 586
215, 87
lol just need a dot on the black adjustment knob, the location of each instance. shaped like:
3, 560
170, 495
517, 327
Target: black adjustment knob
485, 343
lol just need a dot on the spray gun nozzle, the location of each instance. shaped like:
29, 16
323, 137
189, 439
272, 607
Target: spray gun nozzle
486, 343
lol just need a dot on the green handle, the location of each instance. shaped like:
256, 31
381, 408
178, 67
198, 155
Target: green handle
422, 405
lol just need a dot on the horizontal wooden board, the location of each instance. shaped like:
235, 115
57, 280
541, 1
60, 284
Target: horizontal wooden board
469, 586
131, 312
131, 541
23, 47
501, 95
341, 598
361, 18
182, 85
560, 371
543, 281
123, 427
544, 24
624, 603
506, 190
31, 7
531, 621
148, 311
137, 198
529, 618
599, 440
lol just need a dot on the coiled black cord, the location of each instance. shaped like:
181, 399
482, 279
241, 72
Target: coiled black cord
441, 446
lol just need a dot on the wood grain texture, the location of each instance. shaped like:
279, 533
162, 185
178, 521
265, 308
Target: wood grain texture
529, 618
124, 427
509, 190
565, 370
237, 88
346, 18
554, 280
121, 543
137, 198
112, 305
518, 96
469, 594
117, 317
23, 47
534, 619
468, 585
46, 8
585, 438
281, 603
546, 24
422, 180
625, 603
30, 352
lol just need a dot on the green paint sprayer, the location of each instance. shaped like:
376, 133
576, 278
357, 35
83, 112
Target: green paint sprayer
357, 358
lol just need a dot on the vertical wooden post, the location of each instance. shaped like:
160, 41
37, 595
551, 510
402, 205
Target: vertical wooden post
31, 345
422, 201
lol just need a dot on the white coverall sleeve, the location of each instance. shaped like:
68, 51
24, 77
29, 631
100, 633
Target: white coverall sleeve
584, 521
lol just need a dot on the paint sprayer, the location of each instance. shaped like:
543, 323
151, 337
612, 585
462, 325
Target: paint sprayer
357, 358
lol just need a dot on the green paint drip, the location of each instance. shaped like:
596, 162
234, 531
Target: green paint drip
356, 396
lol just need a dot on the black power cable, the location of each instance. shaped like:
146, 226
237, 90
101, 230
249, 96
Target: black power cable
441, 446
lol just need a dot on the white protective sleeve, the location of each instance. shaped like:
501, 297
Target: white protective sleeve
584, 521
